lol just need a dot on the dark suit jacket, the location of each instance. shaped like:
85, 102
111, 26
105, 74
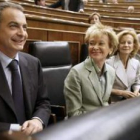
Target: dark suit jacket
74, 5
35, 94
59, 3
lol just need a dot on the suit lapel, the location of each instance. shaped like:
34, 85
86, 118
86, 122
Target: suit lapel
108, 85
94, 79
120, 71
96, 85
5, 91
26, 81
131, 70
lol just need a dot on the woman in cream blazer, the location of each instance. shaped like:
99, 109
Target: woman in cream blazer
88, 85
127, 81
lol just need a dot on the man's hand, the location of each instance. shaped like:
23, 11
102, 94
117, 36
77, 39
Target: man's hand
31, 127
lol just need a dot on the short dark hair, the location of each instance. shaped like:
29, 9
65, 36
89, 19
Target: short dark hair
4, 5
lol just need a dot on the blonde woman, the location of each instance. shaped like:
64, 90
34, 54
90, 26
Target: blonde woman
88, 85
127, 81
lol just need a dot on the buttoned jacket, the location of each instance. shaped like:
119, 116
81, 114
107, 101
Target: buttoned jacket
34, 92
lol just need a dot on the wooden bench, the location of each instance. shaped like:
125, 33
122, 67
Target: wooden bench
52, 23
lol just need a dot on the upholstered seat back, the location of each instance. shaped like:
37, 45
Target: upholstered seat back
84, 52
56, 63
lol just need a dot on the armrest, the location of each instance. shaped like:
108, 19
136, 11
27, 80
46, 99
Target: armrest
52, 119
60, 111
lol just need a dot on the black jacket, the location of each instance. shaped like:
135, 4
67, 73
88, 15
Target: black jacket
74, 5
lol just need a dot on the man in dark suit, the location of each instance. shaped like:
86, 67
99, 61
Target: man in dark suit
35, 103
71, 5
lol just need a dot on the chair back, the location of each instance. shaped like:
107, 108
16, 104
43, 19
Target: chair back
56, 62
84, 52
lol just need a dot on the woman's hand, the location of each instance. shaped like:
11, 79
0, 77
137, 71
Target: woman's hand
31, 126
136, 92
128, 94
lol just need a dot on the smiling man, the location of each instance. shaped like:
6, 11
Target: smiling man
24, 103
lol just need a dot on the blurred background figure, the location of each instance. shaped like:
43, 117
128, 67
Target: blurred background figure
102, 1
71, 5
85, 2
94, 18
40, 2
127, 82
131, 9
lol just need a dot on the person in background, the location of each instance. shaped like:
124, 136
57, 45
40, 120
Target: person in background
40, 2
15, 135
24, 102
105, 1
71, 5
115, 1
85, 2
88, 85
130, 9
127, 81
94, 18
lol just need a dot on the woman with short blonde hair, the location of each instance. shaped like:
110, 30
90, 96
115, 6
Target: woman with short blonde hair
88, 85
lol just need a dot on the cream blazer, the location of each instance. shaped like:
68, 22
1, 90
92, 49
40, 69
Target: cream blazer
126, 79
82, 88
